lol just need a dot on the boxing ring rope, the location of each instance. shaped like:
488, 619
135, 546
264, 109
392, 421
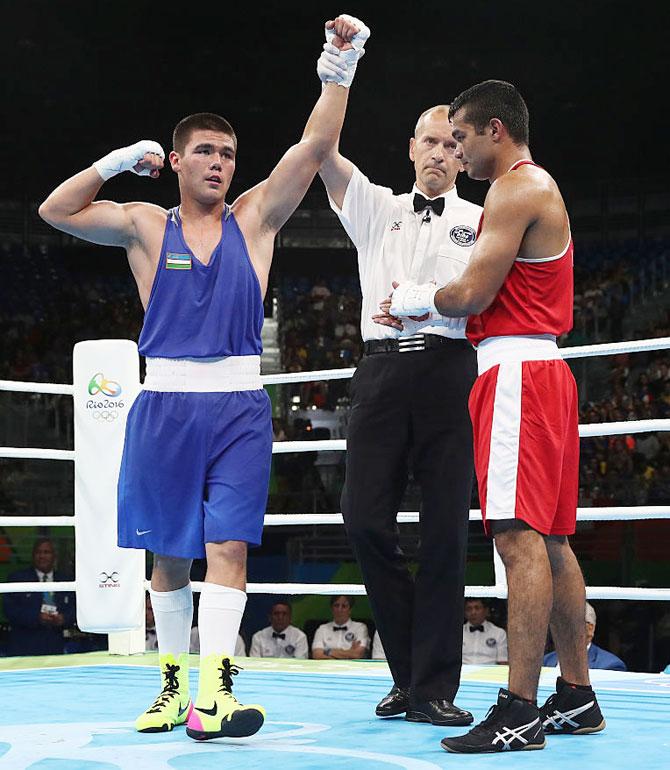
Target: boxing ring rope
498, 589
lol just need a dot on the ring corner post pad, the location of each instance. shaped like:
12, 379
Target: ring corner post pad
109, 579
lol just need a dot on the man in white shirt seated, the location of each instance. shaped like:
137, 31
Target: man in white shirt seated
378, 652
343, 638
483, 642
280, 639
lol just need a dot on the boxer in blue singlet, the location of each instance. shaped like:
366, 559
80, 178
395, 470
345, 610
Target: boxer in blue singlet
196, 462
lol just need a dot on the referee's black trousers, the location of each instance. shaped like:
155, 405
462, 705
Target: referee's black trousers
410, 409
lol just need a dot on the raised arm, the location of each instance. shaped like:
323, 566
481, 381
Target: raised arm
275, 199
72, 207
336, 173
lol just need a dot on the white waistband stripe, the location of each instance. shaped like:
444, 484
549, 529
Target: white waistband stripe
223, 375
499, 350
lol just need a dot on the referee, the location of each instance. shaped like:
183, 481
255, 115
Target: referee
409, 396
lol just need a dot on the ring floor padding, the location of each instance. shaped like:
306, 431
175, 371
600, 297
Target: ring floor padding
76, 713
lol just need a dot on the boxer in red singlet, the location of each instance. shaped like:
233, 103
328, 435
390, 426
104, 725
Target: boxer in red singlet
517, 292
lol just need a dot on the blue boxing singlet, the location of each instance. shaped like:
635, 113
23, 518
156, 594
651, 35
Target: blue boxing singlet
203, 311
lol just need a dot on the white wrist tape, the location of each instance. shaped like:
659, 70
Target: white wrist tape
414, 299
329, 67
347, 60
126, 158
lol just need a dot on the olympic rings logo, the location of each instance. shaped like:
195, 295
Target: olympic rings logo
99, 384
108, 416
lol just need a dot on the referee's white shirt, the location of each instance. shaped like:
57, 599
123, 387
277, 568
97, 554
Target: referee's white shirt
395, 244
326, 638
265, 645
487, 646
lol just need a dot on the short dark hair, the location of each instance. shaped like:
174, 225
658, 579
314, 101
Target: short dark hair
200, 121
41, 541
350, 599
494, 99
483, 602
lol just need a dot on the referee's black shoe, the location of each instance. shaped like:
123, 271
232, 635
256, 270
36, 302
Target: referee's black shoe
571, 710
396, 702
438, 712
512, 724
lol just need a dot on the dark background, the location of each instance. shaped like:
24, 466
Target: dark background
79, 79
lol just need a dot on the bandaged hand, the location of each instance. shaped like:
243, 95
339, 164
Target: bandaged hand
144, 158
345, 40
413, 299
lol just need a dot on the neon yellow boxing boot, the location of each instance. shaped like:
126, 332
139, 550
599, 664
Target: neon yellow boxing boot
173, 706
216, 712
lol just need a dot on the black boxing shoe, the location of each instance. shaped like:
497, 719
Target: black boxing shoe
512, 724
571, 711
396, 702
438, 712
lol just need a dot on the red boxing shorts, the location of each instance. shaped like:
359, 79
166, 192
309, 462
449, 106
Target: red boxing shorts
525, 420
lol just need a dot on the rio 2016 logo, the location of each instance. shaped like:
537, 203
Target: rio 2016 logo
107, 391
99, 384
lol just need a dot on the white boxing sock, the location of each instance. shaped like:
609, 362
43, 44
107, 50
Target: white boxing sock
219, 617
173, 611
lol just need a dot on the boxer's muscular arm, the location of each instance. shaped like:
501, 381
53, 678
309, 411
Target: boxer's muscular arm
336, 173
512, 206
263, 210
275, 199
509, 210
72, 209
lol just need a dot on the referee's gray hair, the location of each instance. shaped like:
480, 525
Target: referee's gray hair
590, 614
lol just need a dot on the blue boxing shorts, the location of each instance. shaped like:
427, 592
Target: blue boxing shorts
195, 470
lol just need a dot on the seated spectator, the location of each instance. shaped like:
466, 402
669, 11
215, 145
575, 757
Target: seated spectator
38, 618
598, 658
280, 639
378, 652
483, 642
194, 644
343, 638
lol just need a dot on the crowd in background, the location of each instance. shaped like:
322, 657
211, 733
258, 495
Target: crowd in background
49, 301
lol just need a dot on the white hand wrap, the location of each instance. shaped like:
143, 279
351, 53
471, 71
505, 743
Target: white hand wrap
329, 67
336, 66
414, 299
126, 158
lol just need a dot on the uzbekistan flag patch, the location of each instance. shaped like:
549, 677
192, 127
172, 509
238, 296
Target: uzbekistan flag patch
177, 261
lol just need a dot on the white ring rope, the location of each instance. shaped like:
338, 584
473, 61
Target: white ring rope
581, 351
623, 513
355, 589
29, 453
587, 430
36, 387
283, 447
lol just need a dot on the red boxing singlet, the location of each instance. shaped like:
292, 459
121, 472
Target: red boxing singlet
536, 296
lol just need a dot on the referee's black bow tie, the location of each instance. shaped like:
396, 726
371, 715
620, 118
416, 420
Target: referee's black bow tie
339, 628
277, 635
421, 203
476, 628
